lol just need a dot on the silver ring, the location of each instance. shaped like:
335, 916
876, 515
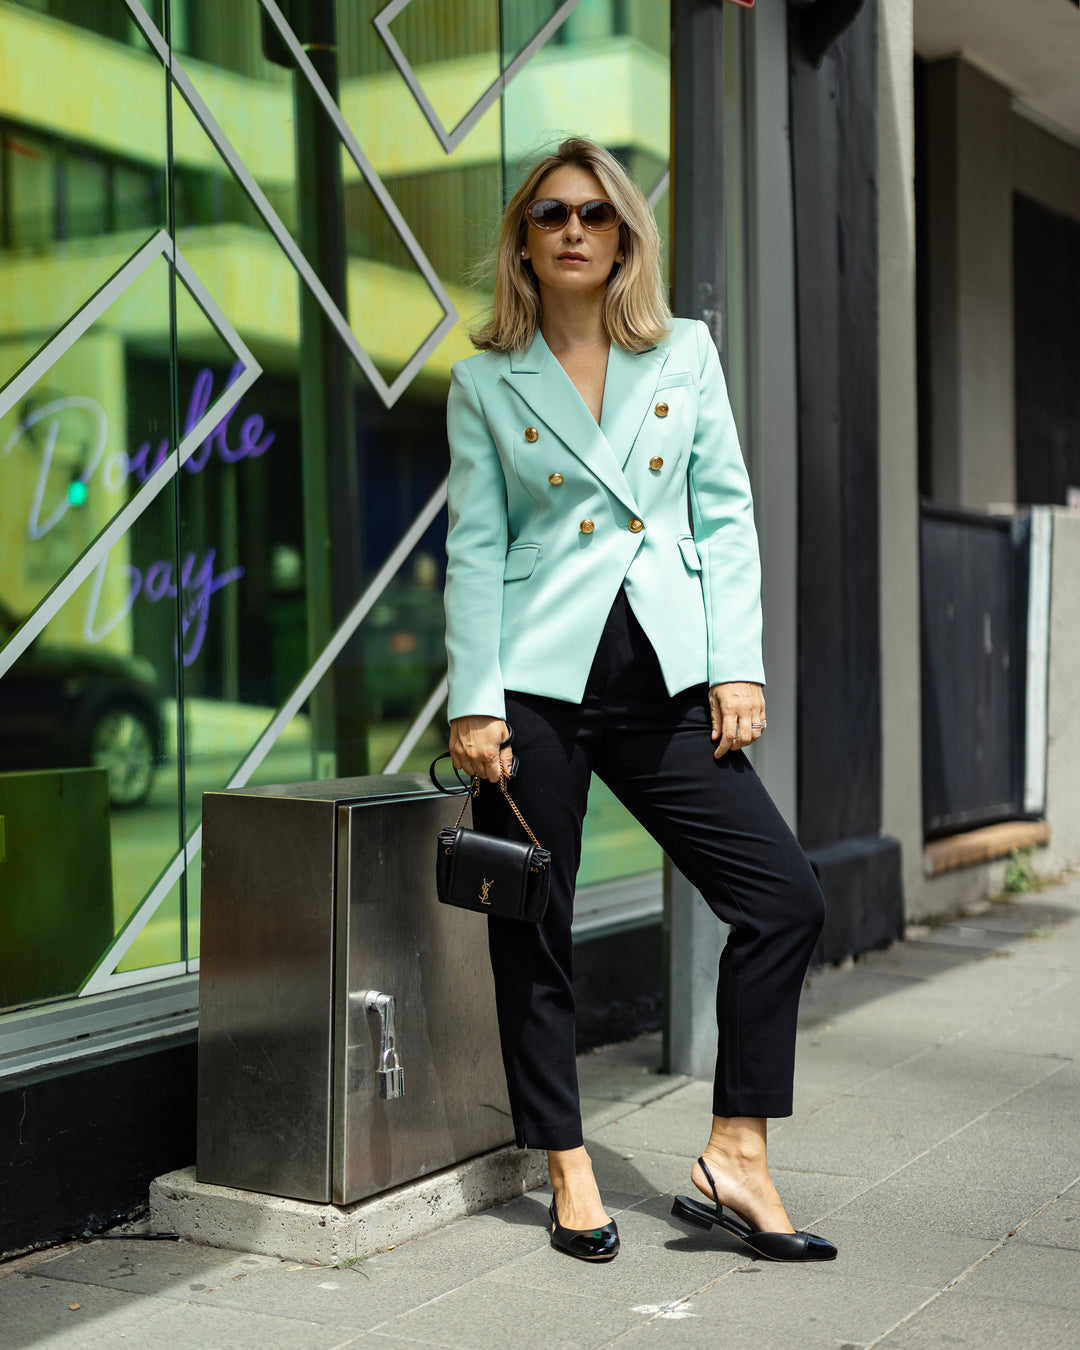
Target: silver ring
758, 726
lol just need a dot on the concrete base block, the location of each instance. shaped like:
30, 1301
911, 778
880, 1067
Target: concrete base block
329, 1235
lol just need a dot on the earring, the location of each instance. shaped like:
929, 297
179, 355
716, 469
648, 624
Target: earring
523, 253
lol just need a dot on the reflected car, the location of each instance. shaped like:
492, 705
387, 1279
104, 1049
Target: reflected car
75, 707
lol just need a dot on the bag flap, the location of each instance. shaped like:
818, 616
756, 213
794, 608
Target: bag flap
492, 872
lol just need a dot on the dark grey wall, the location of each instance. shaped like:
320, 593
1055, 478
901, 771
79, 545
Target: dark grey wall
83, 1142
967, 385
835, 174
975, 154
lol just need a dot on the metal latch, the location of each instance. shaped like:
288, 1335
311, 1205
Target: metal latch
391, 1074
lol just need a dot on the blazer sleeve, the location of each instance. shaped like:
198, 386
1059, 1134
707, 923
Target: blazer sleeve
476, 556
723, 522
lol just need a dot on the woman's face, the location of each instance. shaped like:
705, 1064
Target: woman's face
572, 259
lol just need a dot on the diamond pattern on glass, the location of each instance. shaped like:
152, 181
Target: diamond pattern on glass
160, 245
391, 391
450, 140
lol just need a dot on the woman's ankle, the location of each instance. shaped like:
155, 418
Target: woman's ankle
569, 1165
737, 1140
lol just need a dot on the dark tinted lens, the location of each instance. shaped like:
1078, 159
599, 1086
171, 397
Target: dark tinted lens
547, 213
598, 215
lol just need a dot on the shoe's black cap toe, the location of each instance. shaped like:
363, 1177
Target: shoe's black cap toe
819, 1249
599, 1245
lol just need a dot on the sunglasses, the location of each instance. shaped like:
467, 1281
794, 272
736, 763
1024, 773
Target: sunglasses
548, 213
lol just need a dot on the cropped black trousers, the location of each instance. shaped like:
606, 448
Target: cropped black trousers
718, 825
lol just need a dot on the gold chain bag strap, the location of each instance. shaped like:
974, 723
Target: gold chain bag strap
485, 873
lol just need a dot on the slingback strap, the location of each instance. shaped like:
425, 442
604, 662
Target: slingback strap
712, 1184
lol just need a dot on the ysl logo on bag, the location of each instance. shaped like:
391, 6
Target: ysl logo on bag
485, 889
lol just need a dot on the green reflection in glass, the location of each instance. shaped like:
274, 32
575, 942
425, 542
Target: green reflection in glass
193, 892
66, 452
521, 20
453, 50
56, 913
158, 943
613, 843
82, 160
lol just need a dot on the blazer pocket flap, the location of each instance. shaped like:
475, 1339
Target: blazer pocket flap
689, 553
674, 381
520, 562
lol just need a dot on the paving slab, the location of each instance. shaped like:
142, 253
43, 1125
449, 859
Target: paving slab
866, 1135
1045, 1275
627, 1073
963, 1000
984, 1182
831, 994
833, 1058
1043, 1024
678, 1123
366, 1293
35, 1311
166, 1269
809, 1197
1055, 1095
639, 1172
1057, 1225
917, 1252
683, 1328
960, 1075
817, 1300
598, 1111
1021, 916
488, 1312
181, 1326
959, 1320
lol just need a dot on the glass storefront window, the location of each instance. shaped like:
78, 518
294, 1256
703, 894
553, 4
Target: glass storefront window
229, 304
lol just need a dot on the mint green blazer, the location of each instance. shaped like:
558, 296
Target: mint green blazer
550, 514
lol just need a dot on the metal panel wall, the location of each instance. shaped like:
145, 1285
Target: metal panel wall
974, 613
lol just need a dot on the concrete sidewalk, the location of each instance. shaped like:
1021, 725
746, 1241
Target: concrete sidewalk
935, 1140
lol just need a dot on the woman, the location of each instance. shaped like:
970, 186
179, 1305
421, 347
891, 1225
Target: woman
614, 634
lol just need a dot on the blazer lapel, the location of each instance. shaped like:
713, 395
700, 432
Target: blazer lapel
628, 395
541, 381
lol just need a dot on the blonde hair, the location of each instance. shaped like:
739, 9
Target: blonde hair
635, 311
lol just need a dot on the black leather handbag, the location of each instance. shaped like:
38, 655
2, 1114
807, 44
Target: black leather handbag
486, 874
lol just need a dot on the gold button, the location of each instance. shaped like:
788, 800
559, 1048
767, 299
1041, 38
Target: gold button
587, 526
555, 479
531, 434
656, 462
661, 410
637, 525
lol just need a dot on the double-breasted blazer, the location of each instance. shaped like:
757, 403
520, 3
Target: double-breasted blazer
551, 513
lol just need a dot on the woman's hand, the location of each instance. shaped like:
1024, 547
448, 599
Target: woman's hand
474, 747
738, 715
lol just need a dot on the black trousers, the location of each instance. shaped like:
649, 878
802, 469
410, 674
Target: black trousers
720, 828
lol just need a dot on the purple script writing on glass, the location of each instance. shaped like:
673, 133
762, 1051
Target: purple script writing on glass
251, 442
197, 580
197, 583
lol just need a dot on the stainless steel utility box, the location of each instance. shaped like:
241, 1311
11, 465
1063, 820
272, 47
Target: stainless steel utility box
312, 895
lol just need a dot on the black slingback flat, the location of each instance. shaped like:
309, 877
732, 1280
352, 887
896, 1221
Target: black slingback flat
772, 1246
